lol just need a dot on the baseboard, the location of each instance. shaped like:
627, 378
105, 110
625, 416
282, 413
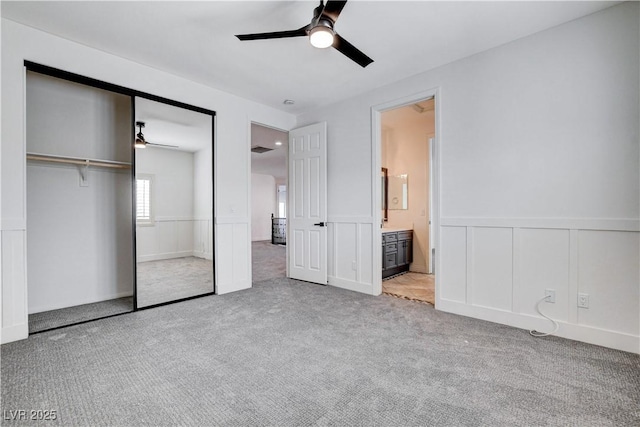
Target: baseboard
365, 288
14, 333
261, 239
76, 303
168, 255
203, 255
587, 334
222, 289
419, 268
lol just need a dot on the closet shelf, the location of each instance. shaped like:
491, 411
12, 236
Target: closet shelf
78, 161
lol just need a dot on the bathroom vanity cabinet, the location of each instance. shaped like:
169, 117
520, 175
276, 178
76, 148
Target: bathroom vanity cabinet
397, 252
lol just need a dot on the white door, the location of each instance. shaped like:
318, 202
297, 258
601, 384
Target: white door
307, 239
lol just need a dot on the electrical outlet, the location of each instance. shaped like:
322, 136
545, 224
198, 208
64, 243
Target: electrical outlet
354, 266
583, 300
550, 295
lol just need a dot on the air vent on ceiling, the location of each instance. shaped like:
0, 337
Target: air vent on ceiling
259, 149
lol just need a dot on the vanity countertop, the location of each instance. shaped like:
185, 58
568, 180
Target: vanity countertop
394, 229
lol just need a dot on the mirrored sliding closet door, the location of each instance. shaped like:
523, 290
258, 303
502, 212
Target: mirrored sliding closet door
174, 203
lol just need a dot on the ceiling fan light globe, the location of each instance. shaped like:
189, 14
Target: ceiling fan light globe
321, 37
140, 143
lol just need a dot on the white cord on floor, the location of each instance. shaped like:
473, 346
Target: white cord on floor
556, 326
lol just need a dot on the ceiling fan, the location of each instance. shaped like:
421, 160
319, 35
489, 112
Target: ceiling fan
141, 142
320, 31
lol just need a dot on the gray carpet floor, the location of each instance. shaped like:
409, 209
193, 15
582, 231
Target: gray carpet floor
173, 279
80, 313
268, 261
289, 353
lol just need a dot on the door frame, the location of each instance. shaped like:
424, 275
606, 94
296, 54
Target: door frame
376, 204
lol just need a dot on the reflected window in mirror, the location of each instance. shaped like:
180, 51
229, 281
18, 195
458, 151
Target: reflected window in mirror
144, 211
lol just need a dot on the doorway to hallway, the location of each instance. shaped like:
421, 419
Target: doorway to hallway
269, 178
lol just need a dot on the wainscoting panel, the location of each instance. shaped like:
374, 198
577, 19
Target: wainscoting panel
542, 262
453, 266
346, 240
167, 237
170, 238
497, 270
608, 273
492, 268
241, 254
350, 253
14, 297
224, 258
233, 266
365, 253
331, 250
185, 236
203, 238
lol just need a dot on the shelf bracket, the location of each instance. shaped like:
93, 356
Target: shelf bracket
84, 174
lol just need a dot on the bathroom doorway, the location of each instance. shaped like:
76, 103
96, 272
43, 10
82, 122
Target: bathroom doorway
407, 138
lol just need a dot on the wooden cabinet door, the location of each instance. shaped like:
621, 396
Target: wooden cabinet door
402, 252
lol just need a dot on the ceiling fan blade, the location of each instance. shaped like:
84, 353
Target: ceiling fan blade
332, 9
162, 145
300, 32
350, 51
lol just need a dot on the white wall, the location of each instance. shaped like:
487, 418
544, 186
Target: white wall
263, 204
232, 171
171, 233
539, 179
79, 242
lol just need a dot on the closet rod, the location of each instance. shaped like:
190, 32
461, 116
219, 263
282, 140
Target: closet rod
78, 161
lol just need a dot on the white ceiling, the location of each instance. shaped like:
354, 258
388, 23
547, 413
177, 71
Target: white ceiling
273, 162
196, 40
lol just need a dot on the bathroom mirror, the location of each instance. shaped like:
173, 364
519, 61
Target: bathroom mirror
384, 201
174, 203
398, 192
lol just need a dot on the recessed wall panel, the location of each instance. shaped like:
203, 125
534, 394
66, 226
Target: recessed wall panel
167, 237
347, 239
492, 267
608, 273
185, 236
543, 263
241, 252
365, 253
453, 253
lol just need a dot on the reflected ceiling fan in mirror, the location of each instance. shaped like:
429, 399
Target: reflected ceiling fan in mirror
321, 33
141, 142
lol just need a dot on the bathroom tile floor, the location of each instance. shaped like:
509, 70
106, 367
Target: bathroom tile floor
413, 286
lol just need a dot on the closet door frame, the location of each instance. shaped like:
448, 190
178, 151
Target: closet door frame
133, 93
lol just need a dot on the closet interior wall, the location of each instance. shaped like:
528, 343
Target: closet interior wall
79, 218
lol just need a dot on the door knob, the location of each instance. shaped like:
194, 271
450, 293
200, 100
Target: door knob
320, 224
